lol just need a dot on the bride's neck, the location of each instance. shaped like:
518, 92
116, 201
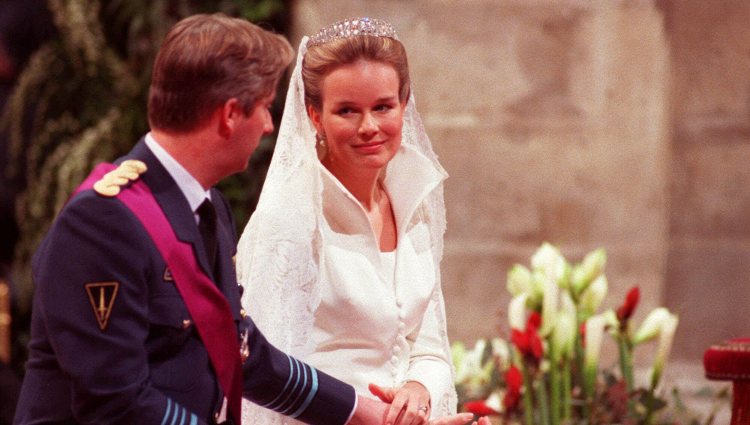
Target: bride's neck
362, 184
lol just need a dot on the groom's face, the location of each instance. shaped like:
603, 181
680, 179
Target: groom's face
250, 129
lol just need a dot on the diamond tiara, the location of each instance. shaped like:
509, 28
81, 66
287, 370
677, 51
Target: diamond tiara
352, 27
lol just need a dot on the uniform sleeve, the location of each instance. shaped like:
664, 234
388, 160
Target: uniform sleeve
91, 279
280, 382
428, 362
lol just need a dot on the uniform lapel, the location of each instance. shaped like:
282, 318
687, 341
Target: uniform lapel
226, 279
172, 202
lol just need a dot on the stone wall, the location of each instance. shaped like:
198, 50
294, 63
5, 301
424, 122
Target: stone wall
612, 123
708, 267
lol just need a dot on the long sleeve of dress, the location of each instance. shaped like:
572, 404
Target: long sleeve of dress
429, 363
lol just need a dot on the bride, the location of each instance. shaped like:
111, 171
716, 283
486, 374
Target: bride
340, 261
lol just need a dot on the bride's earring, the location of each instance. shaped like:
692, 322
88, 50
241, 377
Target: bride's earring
320, 140
320, 145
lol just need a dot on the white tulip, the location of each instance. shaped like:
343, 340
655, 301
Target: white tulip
519, 280
592, 297
594, 336
458, 355
588, 270
564, 334
501, 352
468, 363
666, 336
549, 260
495, 401
550, 301
651, 325
517, 312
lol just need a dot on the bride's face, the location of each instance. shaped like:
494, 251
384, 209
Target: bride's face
360, 117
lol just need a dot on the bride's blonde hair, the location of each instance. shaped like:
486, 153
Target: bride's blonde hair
321, 59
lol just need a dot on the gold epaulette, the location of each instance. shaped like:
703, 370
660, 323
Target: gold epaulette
128, 171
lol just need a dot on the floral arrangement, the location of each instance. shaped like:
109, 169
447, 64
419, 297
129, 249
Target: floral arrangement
549, 372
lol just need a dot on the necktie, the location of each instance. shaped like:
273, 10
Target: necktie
207, 227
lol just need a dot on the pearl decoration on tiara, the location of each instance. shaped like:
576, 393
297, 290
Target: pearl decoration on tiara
352, 27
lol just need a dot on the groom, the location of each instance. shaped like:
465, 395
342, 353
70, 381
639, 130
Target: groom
138, 321
119, 333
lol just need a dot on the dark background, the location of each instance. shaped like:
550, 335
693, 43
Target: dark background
46, 69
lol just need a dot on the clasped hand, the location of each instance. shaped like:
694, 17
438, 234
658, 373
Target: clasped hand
410, 405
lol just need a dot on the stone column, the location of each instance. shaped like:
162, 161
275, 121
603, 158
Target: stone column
709, 251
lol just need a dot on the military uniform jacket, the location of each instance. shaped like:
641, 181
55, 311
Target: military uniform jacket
111, 338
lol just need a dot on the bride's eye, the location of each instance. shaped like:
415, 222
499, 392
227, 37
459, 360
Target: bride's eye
384, 107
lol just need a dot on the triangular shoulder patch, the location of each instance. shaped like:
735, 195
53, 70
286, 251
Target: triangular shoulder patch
102, 297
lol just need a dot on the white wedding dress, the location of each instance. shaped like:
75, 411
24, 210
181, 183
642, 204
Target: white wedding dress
316, 283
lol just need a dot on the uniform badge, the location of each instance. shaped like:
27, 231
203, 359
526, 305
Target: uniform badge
109, 185
102, 297
167, 276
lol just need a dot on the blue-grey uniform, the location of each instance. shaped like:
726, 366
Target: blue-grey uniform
111, 338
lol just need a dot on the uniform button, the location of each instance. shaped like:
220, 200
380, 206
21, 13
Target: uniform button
394, 360
401, 326
186, 323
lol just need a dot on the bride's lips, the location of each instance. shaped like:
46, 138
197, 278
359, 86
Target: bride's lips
371, 147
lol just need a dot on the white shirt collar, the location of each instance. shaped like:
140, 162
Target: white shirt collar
189, 186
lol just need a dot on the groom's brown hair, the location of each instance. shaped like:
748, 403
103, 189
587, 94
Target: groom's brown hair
206, 60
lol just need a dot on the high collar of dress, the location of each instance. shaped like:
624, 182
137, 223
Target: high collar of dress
408, 179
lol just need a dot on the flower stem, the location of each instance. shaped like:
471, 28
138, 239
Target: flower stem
528, 400
626, 367
650, 406
541, 391
567, 388
555, 389
579, 355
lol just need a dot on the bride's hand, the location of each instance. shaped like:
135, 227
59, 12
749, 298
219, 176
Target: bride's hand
410, 404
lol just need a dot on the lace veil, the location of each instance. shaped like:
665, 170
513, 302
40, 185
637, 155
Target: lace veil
280, 250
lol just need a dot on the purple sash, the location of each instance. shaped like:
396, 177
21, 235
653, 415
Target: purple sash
207, 306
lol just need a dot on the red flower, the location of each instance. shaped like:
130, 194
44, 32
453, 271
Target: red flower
582, 332
513, 381
628, 307
528, 342
479, 408
534, 322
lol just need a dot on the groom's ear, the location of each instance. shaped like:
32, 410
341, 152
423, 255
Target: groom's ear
229, 114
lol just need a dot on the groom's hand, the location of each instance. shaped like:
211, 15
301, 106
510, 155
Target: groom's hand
369, 412
373, 412
459, 419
